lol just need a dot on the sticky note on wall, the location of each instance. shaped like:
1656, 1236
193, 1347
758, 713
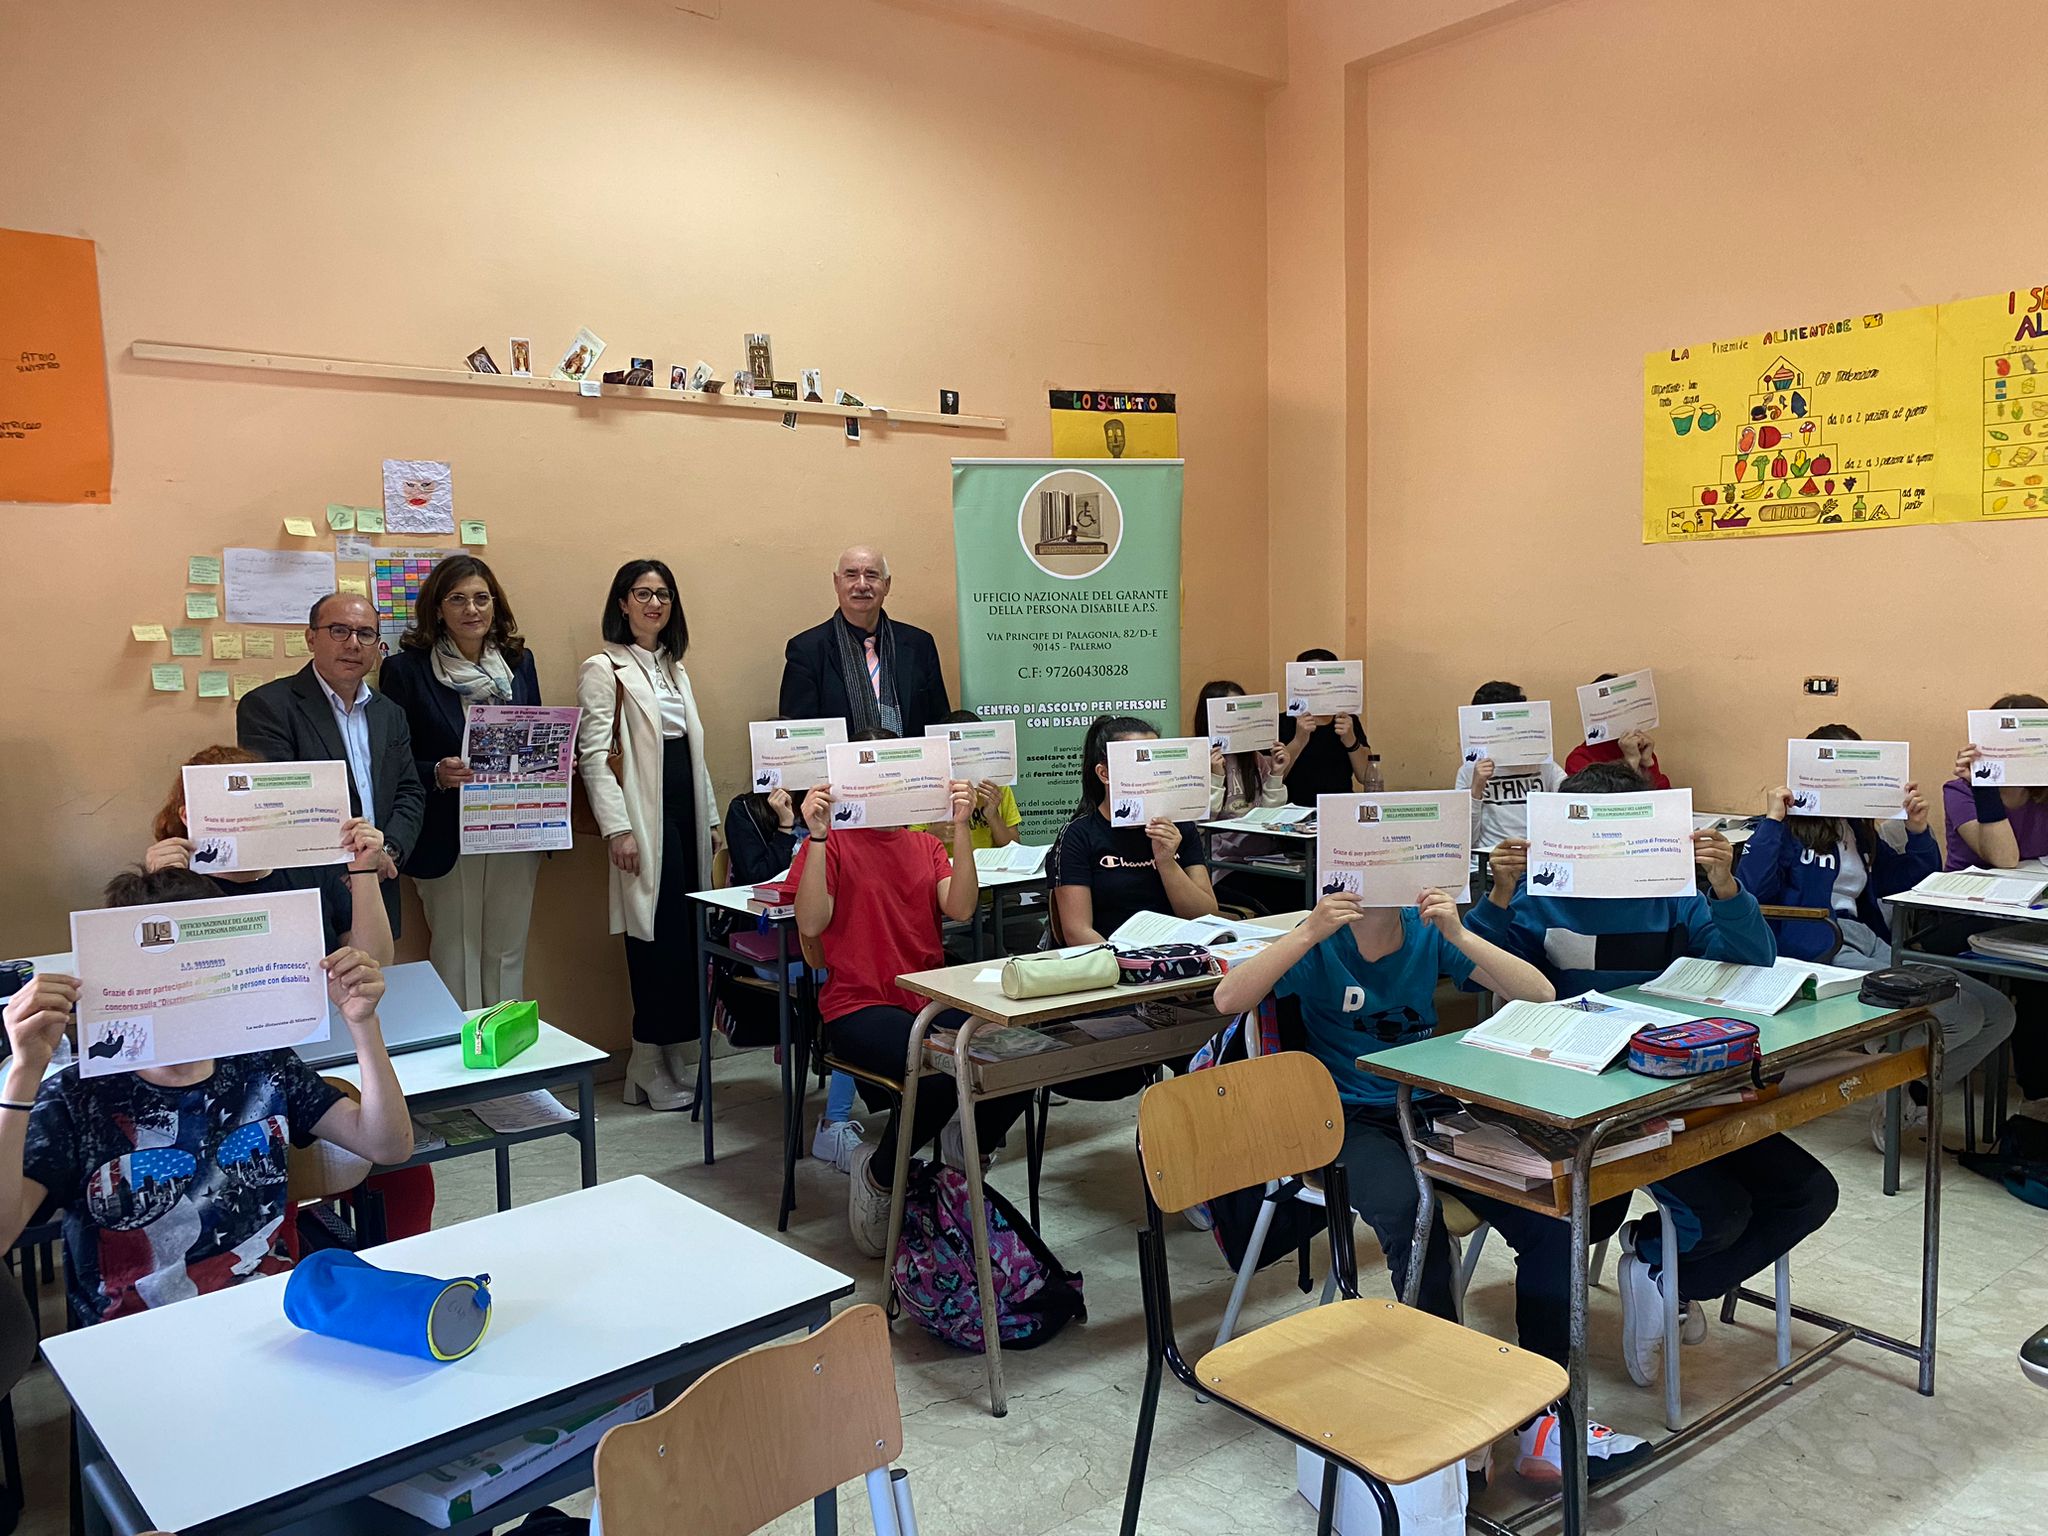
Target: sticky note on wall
474, 532
369, 519
247, 683
227, 645
259, 642
167, 679
359, 586
339, 518
213, 685
295, 643
299, 527
202, 571
148, 632
202, 605
186, 641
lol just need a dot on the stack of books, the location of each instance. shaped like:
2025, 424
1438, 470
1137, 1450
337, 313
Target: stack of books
775, 899
1528, 1156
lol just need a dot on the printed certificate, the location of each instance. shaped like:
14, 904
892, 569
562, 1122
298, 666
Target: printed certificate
1857, 779
890, 783
1245, 722
1326, 687
1609, 847
1387, 849
2012, 746
1164, 779
189, 980
981, 750
523, 756
1612, 709
265, 815
790, 754
1511, 735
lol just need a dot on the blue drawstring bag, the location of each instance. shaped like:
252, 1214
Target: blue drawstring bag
339, 1294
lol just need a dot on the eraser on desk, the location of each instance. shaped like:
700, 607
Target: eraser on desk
343, 1296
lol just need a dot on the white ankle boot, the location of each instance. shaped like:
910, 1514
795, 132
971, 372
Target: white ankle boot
648, 1080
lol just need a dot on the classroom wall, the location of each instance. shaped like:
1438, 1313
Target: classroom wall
1549, 198
900, 199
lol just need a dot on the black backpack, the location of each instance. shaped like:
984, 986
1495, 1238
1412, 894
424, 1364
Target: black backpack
2019, 1161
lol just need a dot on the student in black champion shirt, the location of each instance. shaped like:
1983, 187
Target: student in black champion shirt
1322, 754
1103, 874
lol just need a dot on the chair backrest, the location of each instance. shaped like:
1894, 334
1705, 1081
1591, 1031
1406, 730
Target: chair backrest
757, 1436
323, 1170
1809, 915
1236, 1126
721, 868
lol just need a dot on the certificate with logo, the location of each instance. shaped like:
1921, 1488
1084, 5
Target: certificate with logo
1167, 780
985, 749
2012, 747
1857, 779
1388, 849
265, 815
1326, 687
790, 754
1511, 735
1610, 847
1245, 722
189, 980
890, 783
1612, 709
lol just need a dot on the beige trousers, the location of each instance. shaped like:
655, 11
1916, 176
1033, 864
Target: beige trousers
479, 913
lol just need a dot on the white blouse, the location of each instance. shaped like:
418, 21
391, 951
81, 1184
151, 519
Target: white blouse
668, 693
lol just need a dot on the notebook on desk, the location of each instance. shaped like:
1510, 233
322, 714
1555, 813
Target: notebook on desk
418, 1013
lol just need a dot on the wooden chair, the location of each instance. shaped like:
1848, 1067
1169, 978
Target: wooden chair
762, 1434
322, 1173
1810, 915
1373, 1387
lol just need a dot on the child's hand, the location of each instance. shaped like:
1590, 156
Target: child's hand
818, 809
1347, 732
1281, 760
171, 853
1916, 809
1778, 802
963, 801
1215, 762
1165, 840
779, 803
1508, 863
1440, 912
365, 845
1637, 749
1716, 858
1334, 911
988, 794
37, 1017
355, 982
1482, 775
1965, 760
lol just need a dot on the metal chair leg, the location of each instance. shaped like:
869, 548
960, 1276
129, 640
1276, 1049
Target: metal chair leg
1253, 1249
1668, 1290
1034, 1146
1784, 1309
1326, 1510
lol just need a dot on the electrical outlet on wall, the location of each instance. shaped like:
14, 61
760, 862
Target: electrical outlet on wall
1823, 685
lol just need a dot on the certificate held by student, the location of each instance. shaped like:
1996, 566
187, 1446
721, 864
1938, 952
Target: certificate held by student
1858, 780
983, 751
1386, 849
2012, 747
790, 754
1612, 708
1325, 688
1243, 722
890, 782
1158, 780
1509, 735
1611, 847
159, 986
265, 815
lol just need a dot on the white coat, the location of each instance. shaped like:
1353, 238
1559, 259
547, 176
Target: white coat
634, 803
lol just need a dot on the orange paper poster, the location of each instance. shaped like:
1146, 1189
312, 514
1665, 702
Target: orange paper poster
56, 444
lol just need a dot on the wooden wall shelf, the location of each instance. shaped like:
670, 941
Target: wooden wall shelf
462, 378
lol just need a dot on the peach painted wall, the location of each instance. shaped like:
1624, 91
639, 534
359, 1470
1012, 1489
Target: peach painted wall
1555, 196
903, 201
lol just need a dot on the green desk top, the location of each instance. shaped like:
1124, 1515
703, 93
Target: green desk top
1561, 1096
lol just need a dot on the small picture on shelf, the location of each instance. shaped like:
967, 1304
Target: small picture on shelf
522, 358
783, 389
703, 380
480, 361
789, 420
853, 429
847, 397
581, 356
678, 377
742, 382
949, 402
641, 374
812, 380
759, 364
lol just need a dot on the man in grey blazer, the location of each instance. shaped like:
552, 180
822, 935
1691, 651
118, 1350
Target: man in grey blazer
326, 712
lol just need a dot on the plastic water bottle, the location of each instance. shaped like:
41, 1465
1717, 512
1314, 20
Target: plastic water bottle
1374, 783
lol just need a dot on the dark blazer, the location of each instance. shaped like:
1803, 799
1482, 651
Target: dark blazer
814, 688
434, 711
290, 720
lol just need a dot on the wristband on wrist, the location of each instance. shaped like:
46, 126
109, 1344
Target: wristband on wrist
1990, 805
16, 1104
817, 837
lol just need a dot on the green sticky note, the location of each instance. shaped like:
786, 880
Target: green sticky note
212, 685
185, 642
340, 519
474, 533
202, 570
369, 519
167, 679
202, 605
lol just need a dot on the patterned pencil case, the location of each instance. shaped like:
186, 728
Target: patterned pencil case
1694, 1048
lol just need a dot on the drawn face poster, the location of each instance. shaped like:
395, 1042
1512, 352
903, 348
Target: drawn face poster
419, 496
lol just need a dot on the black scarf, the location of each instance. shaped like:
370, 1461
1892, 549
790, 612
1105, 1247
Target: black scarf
863, 710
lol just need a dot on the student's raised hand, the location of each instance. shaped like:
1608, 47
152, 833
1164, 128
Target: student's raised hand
962, 793
364, 844
624, 852
1778, 802
1716, 858
355, 982
37, 1017
1508, 862
1482, 775
1165, 836
450, 772
1440, 911
1637, 749
1916, 809
1215, 761
1347, 731
171, 853
1280, 760
780, 803
988, 794
818, 809
1334, 911
1965, 760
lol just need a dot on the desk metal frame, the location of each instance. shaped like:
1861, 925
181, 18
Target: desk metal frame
500, 1085
1592, 1132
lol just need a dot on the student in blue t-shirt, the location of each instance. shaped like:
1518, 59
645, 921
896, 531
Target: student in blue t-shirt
1365, 979
1737, 1214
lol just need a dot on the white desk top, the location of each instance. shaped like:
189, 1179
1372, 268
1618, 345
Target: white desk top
1238, 824
2006, 912
734, 898
440, 1067
582, 1285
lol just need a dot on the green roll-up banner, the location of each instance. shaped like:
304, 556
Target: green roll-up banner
1069, 576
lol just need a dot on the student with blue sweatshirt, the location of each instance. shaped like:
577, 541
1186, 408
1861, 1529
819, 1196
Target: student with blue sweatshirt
1736, 1215
1848, 869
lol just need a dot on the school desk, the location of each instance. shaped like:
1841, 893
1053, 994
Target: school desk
975, 991
1594, 1106
1294, 854
241, 1423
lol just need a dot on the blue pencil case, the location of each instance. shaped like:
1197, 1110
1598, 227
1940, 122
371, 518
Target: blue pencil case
1693, 1048
337, 1293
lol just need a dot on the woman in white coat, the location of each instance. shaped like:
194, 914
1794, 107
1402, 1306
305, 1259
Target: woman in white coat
658, 815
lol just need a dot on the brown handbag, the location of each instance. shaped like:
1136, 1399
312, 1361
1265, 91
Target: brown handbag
582, 819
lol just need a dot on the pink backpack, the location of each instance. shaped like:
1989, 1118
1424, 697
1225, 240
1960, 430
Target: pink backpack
934, 1268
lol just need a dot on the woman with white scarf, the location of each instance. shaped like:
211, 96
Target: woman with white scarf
464, 648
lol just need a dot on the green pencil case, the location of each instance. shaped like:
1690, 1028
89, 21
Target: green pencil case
498, 1034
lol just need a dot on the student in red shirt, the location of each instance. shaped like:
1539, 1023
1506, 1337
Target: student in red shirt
1633, 750
873, 899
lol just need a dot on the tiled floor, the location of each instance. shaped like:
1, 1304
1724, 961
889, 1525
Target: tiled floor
1852, 1450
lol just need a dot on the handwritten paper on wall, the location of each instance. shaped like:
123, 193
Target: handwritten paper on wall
56, 444
276, 586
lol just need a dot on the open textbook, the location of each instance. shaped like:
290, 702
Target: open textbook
1584, 1033
1751, 988
1993, 887
1147, 928
1011, 859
